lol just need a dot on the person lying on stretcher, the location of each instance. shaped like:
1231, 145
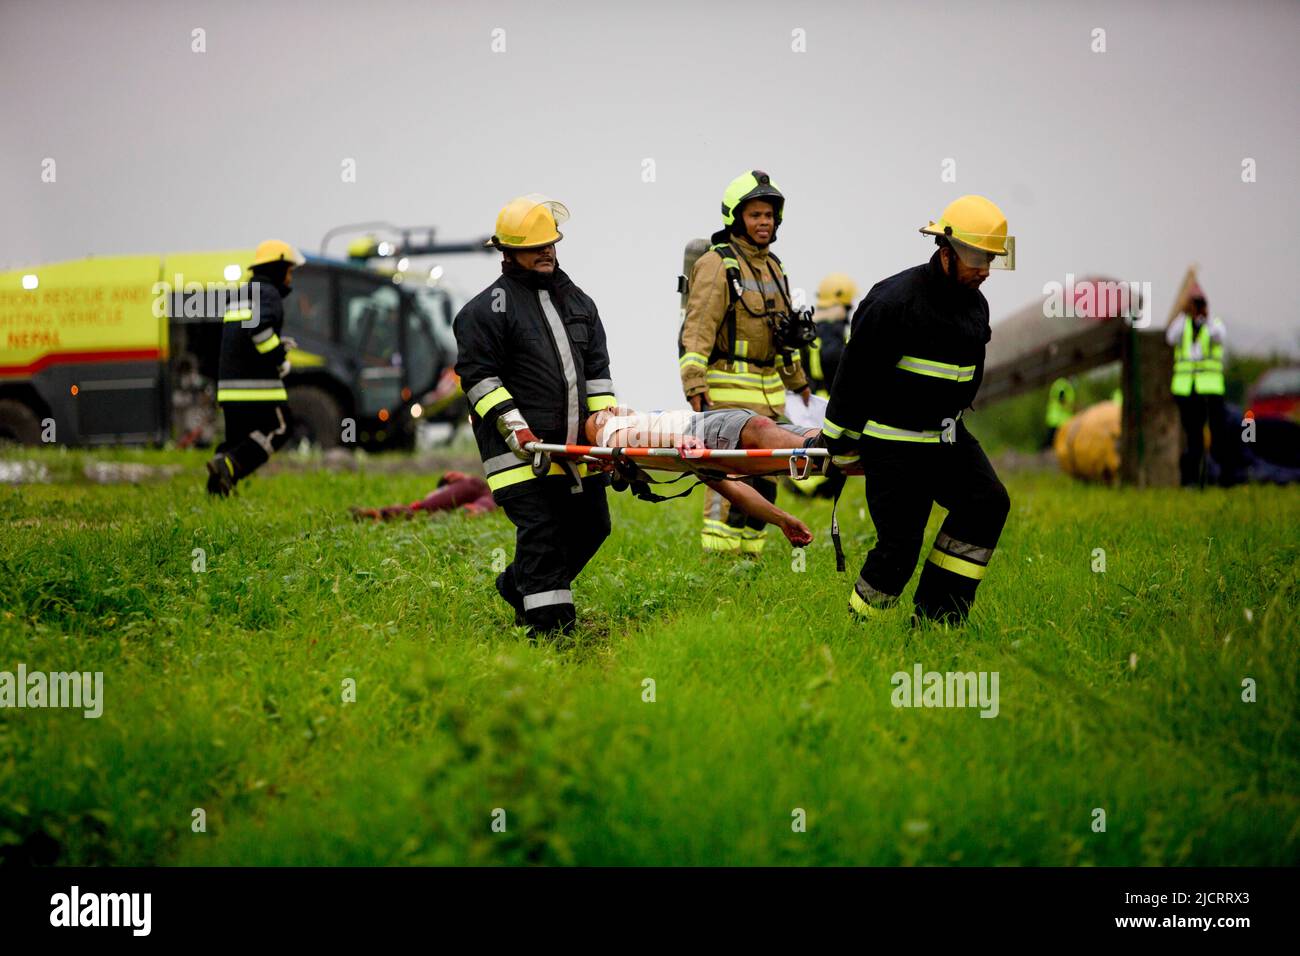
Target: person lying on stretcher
621, 427
717, 428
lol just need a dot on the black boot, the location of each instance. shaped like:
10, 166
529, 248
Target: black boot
221, 476
508, 594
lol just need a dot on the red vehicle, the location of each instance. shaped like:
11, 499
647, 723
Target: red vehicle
1276, 394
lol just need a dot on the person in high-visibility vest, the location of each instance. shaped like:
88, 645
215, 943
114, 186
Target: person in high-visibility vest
1060, 406
913, 364
254, 361
731, 349
1197, 386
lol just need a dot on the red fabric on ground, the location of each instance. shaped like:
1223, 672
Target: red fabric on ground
457, 490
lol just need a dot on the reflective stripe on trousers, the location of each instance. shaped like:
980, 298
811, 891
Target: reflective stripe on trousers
546, 599
968, 560
264, 440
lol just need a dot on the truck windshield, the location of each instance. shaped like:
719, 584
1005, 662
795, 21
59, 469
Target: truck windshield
424, 355
370, 314
441, 308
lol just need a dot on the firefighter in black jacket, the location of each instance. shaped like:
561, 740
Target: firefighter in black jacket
913, 363
533, 363
253, 363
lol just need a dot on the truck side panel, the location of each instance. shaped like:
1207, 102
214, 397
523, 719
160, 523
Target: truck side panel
85, 335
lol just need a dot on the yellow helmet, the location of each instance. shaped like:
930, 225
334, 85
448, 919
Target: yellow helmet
275, 250
976, 223
529, 222
836, 289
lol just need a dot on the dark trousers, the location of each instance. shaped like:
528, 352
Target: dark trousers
1194, 410
904, 479
253, 431
556, 533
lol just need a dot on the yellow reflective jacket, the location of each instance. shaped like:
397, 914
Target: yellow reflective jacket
749, 373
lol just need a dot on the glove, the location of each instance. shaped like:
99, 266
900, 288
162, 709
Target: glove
516, 432
518, 441
289, 343
844, 454
284, 368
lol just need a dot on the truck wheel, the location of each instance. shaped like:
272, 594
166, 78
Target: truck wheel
18, 423
315, 418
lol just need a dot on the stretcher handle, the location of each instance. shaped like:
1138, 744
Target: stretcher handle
541, 459
598, 451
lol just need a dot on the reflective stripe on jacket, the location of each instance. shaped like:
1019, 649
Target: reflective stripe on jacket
914, 361
251, 350
540, 351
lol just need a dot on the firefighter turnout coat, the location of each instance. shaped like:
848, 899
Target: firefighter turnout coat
726, 348
251, 350
913, 364
914, 361
541, 351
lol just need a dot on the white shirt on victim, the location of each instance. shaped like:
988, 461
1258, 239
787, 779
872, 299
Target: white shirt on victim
658, 429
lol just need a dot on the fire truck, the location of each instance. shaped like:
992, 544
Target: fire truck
124, 350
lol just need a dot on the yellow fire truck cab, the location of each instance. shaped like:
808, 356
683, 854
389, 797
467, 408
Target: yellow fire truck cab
124, 350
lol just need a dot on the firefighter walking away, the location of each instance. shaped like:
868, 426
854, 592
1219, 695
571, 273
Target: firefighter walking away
254, 361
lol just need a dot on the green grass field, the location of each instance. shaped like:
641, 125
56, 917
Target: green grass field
223, 689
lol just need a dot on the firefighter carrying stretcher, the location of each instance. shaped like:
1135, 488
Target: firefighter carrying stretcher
913, 364
533, 362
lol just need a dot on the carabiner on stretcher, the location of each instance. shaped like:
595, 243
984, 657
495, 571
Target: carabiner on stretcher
800, 466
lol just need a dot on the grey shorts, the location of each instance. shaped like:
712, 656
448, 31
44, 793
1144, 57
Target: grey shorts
721, 427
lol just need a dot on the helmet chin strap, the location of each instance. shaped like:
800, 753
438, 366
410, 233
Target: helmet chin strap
952, 262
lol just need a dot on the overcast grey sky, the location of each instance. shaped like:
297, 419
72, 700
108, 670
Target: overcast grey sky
1127, 162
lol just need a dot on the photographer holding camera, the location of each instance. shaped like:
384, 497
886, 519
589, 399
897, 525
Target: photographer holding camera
740, 340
